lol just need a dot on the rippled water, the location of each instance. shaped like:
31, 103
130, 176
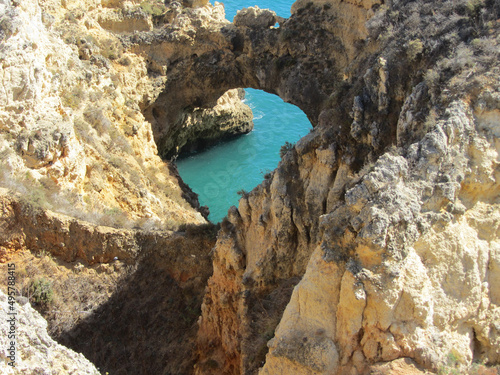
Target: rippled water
219, 173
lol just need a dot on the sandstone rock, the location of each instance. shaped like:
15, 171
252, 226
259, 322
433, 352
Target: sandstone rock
71, 117
254, 17
370, 210
195, 3
204, 127
388, 210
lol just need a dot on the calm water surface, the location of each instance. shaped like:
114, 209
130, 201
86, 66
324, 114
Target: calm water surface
281, 7
218, 173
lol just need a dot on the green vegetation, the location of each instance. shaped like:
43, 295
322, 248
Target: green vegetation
456, 39
415, 47
474, 7
453, 361
64, 294
41, 292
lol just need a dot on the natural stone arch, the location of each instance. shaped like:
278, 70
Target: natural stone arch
301, 64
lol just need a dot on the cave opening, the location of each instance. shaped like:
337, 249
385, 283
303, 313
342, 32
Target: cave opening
224, 172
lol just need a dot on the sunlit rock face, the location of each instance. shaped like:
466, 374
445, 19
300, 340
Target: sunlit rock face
376, 238
385, 217
74, 110
35, 352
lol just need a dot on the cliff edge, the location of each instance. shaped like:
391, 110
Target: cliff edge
35, 352
373, 247
77, 135
376, 238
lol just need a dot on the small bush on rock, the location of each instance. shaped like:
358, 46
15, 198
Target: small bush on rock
41, 292
286, 148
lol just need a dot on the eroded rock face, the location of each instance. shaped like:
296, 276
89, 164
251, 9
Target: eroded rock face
36, 352
254, 17
201, 128
73, 110
375, 239
379, 211
401, 293
104, 286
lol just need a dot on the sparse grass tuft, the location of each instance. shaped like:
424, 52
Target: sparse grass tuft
208, 230
415, 48
111, 49
74, 97
65, 293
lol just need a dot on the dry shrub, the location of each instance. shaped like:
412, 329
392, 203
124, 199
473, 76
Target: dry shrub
65, 293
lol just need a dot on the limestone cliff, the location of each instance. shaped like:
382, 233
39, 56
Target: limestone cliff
99, 286
79, 156
387, 213
372, 247
201, 128
74, 129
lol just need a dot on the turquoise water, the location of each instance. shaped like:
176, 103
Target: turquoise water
218, 173
281, 7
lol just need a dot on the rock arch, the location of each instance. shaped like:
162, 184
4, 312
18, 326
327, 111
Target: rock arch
300, 62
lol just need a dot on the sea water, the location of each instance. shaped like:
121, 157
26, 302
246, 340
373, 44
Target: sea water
217, 174
281, 7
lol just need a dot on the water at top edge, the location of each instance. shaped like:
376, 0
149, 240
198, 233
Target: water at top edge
281, 7
217, 174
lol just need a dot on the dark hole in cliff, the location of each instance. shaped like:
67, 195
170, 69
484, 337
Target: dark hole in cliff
223, 173
238, 42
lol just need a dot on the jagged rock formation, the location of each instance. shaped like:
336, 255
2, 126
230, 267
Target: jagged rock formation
106, 285
36, 352
387, 213
375, 239
74, 136
201, 128
28, 227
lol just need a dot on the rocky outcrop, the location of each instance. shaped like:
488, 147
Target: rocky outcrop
377, 211
35, 353
102, 284
376, 238
25, 226
254, 17
75, 136
154, 308
201, 128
